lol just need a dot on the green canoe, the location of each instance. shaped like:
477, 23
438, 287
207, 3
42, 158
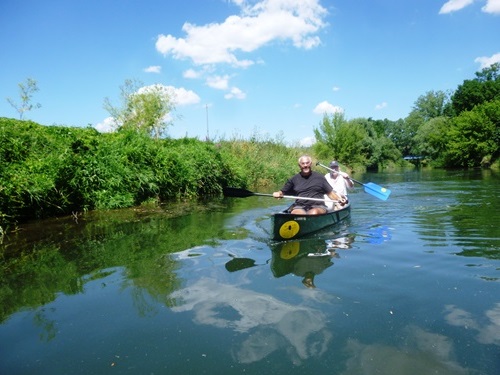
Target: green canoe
287, 226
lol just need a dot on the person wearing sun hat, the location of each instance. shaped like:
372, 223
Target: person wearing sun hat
340, 182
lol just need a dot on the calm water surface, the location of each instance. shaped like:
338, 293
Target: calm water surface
412, 286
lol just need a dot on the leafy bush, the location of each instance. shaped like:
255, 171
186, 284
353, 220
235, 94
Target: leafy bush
49, 170
474, 136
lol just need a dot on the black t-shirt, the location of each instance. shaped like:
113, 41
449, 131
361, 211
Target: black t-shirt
314, 185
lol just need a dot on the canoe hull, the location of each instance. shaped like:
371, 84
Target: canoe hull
287, 226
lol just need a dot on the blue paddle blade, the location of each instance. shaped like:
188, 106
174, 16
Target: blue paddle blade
377, 191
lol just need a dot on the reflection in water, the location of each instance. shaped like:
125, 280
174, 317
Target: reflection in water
306, 258
238, 264
46, 324
302, 330
488, 332
379, 234
423, 353
130, 285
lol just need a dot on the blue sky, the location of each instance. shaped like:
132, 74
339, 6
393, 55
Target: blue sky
238, 68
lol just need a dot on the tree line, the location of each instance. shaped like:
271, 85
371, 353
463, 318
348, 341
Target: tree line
61, 170
460, 129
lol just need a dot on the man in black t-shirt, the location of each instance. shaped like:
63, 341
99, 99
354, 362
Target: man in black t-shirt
307, 184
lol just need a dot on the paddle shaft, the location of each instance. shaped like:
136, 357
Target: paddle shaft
292, 197
243, 193
331, 170
370, 188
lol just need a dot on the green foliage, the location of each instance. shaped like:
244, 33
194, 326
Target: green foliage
431, 139
382, 127
334, 138
405, 133
148, 110
31, 159
354, 142
484, 88
143, 109
474, 138
431, 105
50, 171
259, 161
26, 91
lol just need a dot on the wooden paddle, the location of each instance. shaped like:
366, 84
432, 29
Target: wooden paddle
370, 188
242, 193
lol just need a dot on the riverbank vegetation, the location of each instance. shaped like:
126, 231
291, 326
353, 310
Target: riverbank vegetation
60, 170
56, 170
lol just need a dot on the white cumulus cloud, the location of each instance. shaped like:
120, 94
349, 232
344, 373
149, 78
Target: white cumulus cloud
381, 106
184, 97
488, 61
218, 82
328, 108
192, 74
492, 6
454, 5
258, 24
107, 125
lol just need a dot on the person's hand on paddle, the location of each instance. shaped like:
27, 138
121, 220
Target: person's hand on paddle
278, 194
336, 197
342, 200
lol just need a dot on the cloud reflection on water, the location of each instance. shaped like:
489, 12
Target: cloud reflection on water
488, 333
423, 353
299, 329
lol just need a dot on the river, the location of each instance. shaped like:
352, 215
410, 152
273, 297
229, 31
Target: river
411, 286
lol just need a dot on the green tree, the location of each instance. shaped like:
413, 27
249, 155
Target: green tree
144, 109
431, 105
26, 91
336, 139
150, 107
431, 138
382, 127
326, 135
474, 137
485, 87
375, 149
401, 133
121, 113
353, 144
358, 142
